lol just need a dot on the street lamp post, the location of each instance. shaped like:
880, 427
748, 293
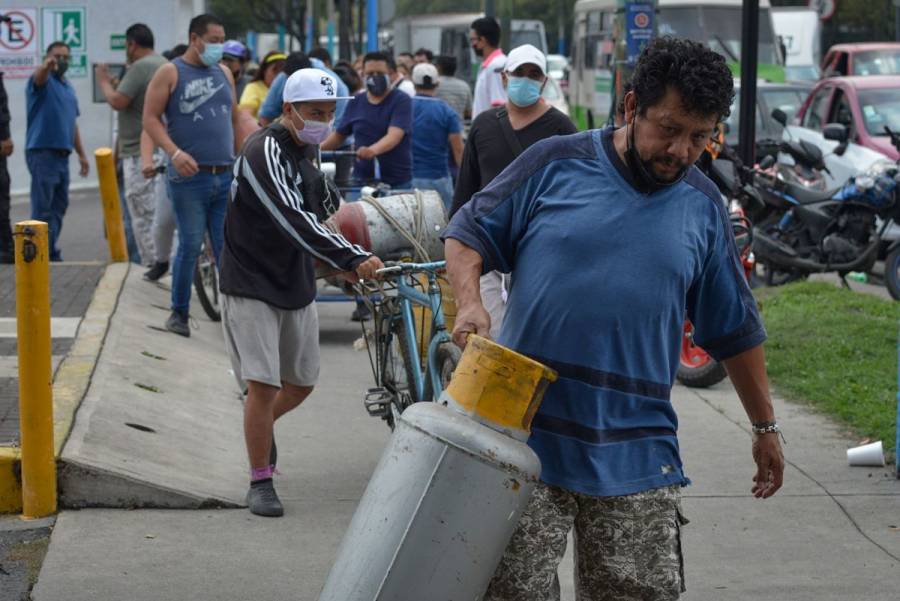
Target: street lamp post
749, 50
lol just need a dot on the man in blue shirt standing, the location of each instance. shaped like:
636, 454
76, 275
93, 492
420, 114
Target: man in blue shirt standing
436, 130
612, 238
52, 134
380, 120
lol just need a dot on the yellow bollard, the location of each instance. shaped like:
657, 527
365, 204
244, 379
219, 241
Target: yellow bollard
112, 210
35, 374
496, 385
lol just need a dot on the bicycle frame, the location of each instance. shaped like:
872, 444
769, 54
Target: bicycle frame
408, 296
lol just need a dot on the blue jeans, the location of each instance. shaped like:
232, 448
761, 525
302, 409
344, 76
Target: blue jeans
49, 191
199, 203
442, 185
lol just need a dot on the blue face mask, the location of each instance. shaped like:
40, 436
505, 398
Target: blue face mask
212, 53
523, 91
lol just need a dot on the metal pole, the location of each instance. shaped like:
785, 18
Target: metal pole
310, 15
489, 10
897, 446
330, 28
372, 25
112, 211
749, 50
35, 375
361, 13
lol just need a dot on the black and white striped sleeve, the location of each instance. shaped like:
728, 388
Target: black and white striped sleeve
263, 168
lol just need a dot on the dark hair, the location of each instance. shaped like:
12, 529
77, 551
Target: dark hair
295, 61
446, 64
380, 56
201, 23
348, 76
489, 29
409, 54
264, 66
56, 44
176, 51
428, 53
700, 76
322, 54
141, 35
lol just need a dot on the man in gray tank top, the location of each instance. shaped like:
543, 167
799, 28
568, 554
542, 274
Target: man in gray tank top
196, 95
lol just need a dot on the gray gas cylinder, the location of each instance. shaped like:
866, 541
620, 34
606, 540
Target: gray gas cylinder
438, 512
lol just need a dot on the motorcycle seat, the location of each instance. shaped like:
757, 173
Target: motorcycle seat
806, 196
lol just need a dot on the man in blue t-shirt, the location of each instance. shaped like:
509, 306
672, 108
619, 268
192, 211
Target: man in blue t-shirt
380, 120
436, 131
271, 106
612, 238
52, 134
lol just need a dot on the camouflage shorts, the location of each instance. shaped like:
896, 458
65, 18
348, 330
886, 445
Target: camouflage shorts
626, 548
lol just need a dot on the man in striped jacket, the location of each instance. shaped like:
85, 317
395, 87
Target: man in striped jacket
273, 236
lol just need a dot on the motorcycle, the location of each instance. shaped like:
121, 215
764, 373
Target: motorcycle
817, 231
892, 260
696, 368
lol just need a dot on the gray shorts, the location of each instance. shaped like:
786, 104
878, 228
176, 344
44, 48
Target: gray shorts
271, 345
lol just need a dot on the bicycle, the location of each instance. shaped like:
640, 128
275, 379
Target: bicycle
206, 280
395, 339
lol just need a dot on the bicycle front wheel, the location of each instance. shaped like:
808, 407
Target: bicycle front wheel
206, 284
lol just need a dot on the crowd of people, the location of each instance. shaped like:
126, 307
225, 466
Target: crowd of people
209, 151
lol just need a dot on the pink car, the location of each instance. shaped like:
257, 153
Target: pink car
865, 105
869, 58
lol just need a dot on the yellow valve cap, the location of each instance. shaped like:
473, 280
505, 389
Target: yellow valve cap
498, 385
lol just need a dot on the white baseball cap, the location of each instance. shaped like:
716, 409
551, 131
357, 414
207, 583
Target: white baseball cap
311, 85
423, 70
525, 54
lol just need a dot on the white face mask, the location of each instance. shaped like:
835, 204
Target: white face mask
313, 132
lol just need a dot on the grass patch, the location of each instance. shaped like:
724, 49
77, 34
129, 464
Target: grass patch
837, 351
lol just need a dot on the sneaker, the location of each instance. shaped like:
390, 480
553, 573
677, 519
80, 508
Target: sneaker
263, 500
361, 313
178, 324
157, 271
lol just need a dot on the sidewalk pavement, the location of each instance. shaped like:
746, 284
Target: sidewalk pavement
831, 534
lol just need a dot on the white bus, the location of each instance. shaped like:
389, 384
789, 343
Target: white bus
448, 33
714, 22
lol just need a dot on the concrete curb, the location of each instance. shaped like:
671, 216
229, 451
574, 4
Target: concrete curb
71, 381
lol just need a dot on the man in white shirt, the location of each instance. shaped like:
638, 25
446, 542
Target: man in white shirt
485, 39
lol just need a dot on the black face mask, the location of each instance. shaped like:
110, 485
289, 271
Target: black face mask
641, 172
61, 67
478, 51
377, 84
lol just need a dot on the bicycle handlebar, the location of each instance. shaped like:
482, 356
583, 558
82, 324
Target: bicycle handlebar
399, 267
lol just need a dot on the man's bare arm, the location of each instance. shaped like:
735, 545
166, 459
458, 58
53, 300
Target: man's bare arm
456, 147
42, 73
155, 100
748, 375
464, 266
334, 141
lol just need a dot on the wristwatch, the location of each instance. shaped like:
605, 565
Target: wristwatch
766, 428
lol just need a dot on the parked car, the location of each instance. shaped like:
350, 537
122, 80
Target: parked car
871, 58
769, 96
553, 94
864, 105
558, 69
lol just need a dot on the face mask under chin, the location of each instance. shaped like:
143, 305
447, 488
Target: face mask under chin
642, 171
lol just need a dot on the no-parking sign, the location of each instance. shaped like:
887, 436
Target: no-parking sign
20, 51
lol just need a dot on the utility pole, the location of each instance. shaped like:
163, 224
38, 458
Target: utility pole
372, 25
749, 51
344, 28
330, 27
